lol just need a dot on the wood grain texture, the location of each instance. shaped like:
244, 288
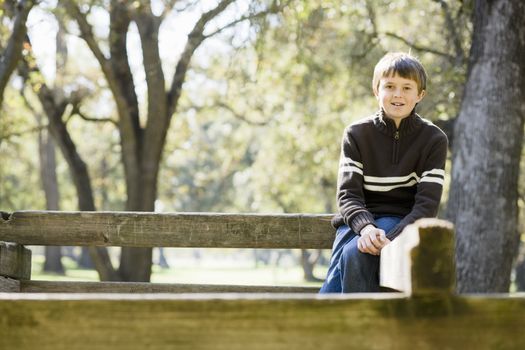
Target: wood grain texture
420, 259
140, 287
15, 261
156, 321
433, 268
137, 229
8, 285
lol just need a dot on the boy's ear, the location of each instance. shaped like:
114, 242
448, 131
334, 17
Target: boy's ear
421, 95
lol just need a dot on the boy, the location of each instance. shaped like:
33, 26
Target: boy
391, 173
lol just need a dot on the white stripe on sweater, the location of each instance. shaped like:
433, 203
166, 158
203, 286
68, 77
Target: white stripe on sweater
350, 161
381, 188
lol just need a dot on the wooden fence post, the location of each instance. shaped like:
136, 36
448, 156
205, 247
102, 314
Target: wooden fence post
421, 259
15, 265
433, 265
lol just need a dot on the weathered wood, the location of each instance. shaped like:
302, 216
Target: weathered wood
433, 267
156, 321
421, 259
140, 287
136, 229
8, 285
15, 261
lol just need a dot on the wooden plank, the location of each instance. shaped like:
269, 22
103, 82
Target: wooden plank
136, 229
15, 261
8, 285
433, 260
420, 259
142, 287
156, 321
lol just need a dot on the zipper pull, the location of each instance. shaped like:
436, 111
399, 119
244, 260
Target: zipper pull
396, 135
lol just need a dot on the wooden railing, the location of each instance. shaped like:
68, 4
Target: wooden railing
134, 229
428, 314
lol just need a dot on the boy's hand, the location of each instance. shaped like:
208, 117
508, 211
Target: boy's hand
372, 240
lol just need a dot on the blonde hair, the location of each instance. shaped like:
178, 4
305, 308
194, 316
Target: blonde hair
402, 64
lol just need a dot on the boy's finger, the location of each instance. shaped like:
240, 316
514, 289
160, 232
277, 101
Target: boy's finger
359, 245
376, 243
371, 246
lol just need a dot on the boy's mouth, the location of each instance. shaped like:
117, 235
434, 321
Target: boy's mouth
397, 104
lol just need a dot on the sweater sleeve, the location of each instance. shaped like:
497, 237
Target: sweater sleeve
350, 197
429, 188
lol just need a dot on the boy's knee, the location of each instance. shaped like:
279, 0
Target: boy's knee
351, 254
350, 251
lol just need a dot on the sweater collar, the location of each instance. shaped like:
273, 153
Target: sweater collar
388, 126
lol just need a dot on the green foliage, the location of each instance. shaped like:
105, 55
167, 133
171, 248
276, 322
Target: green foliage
260, 120
286, 97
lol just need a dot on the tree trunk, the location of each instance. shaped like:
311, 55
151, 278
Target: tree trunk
163, 262
13, 50
488, 140
142, 146
46, 147
520, 275
54, 106
308, 261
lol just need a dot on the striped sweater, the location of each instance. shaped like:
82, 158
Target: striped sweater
384, 170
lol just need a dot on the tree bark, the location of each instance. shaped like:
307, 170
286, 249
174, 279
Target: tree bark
308, 261
488, 140
46, 147
54, 106
143, 145
13, 51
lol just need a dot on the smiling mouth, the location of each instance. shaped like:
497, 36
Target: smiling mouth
397, 104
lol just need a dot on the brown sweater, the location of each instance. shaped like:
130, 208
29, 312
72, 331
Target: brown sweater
389, 171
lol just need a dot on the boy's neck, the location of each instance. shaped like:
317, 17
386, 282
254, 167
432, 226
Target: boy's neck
397, 121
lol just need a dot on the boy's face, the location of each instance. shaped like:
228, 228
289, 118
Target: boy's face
398, 96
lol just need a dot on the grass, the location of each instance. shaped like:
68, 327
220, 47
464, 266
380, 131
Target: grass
213, 270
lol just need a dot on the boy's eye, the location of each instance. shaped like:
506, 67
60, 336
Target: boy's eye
408, 88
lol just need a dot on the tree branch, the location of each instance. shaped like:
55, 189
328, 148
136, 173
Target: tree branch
86, 32
241, 116
169, 5
419, 47
195, 38
13, 50
76, 111
7, 136
157, 123
242, 19
453, 34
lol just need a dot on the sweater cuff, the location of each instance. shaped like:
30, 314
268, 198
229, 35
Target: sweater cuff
361, 220
396, 231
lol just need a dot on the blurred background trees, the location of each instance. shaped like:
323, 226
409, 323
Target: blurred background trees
226, 106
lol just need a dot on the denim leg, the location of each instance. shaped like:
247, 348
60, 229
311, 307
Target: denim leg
350, 270
360, 271
332, 284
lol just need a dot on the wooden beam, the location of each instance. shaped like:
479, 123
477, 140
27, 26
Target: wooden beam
433, 262
135, 229
420, 259
140, 287
234, 321
15, 261
8, 285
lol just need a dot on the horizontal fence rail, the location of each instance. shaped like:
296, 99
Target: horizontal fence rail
144, 287
232, 321
115, 315
191, 230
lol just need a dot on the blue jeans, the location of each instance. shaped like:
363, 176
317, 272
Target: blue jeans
350, 270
